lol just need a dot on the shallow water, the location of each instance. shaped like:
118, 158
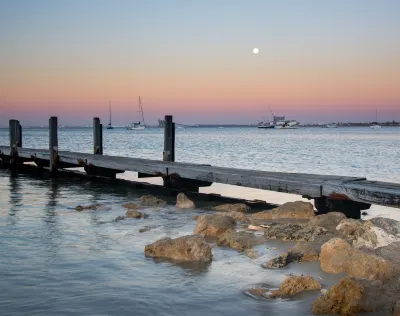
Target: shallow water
56, 261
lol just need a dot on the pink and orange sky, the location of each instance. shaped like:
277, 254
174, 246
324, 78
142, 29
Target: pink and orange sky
319, 61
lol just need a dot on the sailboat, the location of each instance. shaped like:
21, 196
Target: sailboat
139, 125
375, 125
109, 126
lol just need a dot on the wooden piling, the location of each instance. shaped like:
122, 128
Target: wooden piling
15, 133
53, 144
169, 139
97, 136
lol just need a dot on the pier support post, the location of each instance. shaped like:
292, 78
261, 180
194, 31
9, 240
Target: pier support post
97, 136
169, 139
351, 209
53, 144
15, 131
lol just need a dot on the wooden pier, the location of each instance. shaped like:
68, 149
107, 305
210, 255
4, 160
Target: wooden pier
349, 195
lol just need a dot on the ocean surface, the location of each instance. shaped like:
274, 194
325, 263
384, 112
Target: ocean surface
56, 261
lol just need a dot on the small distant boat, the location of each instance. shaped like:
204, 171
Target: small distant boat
375, 125
109, 126
265, 125
332, 125
138, 126
287, 125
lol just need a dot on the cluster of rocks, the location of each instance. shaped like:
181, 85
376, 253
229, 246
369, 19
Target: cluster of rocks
367, 251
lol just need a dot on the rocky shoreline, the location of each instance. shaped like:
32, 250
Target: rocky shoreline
367, 252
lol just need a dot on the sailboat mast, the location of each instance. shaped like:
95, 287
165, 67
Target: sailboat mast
109, 108
141, 110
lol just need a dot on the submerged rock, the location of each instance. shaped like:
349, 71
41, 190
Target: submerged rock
328, 221
182, 201
338, 256
81, 208
150, 200
214, 225
259, 291
237, 240
144, 229
186, 248
238, 207
299, 209
239, 216
132, 206
295, 285
252, 254
135, 214
294, 232
120, 218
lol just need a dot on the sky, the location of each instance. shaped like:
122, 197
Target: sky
318, 61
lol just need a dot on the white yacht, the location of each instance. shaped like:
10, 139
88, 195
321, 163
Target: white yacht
139, 125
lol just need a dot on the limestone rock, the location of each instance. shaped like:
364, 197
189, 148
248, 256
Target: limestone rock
252, 254
182, 201
328, 221
360, 233
239, 216
132, 206
299, 209
150, 200
390, 226
186, 248
135, 214
342, 299
296, 284
195, 217
276, 263
302, 252
294, 232
338, 256
237, 240
396, 309
238, 207
214, 225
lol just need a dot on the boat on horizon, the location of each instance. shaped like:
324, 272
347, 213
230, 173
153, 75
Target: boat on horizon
375, 125
138, 126
109, 126
332, 125
291, 124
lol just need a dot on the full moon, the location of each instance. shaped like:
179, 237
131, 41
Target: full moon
255, 50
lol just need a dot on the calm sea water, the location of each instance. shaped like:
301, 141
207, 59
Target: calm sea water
56, 261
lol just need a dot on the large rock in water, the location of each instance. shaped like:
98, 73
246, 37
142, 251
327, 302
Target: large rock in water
186, 248
237, 240
299, 253
338, 256
299, 209
328, 221
294, 232
132, 206
344, 298
294, 285
135, 214
214, 225
182, 201
238, 207
150, 200
239, 216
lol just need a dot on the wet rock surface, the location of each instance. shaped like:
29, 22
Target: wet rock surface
299, 253
238, 207
81, 208
295, 285
299, 210
182, 201
295, 232
186, 248
252, 254
328, 221
276, 263
390, 226
359, 233
237, 240
214, 225
338, 256
239, 216
135, 214
150, 200
132, 206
